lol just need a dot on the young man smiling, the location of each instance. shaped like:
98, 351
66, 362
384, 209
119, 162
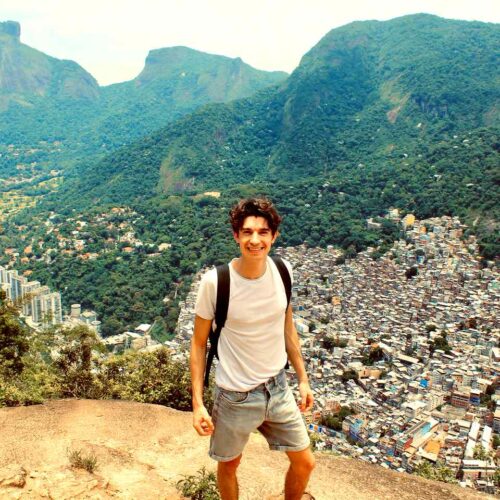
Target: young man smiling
259, 334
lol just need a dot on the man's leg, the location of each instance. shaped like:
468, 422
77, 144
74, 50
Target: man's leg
226, 479
301, 466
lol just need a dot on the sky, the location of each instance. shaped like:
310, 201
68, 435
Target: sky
111, 38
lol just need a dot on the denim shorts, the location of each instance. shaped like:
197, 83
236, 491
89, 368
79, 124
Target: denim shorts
270, 408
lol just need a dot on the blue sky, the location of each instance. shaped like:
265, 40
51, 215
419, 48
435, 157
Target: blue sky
111, 38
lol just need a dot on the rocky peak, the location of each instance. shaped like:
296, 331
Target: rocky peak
10, 28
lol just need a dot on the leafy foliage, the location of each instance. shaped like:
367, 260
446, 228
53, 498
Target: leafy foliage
369, 120
70, 362
75, 361
47, 100
148, 378
81, 460
334, 421
202, 486
14, 342
440, 342
438, 472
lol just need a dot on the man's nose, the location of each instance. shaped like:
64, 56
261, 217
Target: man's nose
254, 238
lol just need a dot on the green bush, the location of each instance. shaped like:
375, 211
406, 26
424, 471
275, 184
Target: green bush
202, 486
76, 362
437, 472
148, 377
80, 460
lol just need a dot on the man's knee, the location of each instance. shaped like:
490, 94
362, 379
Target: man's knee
302, 462
230, 466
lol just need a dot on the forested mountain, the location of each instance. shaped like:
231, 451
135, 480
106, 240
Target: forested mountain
369, 92
27, 75
401, 113
46, 99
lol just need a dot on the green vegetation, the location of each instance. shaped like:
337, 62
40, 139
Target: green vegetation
71, 362
480, 453
58, 101
437, 472
330, 343
374, 354
24, 377
496, 441
440, 342
202, 486
80, 460
349, 375
334, 421
315, 439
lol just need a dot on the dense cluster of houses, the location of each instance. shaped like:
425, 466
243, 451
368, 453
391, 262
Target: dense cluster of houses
83, 238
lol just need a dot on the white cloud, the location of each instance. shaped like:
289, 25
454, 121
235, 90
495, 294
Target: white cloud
111, 38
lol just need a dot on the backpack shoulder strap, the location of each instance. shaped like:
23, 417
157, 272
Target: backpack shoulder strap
287, 281
221, 306
222, 301
285, 276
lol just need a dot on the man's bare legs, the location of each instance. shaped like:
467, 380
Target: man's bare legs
226, 479
297, 477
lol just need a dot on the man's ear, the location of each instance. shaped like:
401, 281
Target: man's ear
276, 234
236, 237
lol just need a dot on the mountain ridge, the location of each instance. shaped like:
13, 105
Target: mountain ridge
46, 99
354, 98
44, 76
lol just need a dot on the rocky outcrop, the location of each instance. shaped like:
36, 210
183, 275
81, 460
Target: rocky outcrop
142, 450
27, 74
10, 28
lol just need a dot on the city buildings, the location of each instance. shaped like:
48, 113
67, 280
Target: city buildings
38, 304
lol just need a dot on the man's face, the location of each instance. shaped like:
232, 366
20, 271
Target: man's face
255, 238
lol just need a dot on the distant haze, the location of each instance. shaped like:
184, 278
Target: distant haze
111, 39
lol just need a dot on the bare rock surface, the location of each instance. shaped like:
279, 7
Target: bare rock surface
142, 450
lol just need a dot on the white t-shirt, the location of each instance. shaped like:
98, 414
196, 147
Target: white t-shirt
252, 342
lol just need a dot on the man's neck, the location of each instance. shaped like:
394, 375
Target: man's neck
250, 270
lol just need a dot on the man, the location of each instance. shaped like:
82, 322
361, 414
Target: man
251, 388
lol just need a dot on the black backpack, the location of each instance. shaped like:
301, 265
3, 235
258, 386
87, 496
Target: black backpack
222, 304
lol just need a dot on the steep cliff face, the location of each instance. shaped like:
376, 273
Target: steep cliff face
26, 73
191, 74
142, 450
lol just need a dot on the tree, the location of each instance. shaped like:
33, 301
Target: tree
14, 342
496, 441
411, 272
25, 378
349, 375
330, 342
437, 472
148, 377
440, 342
480, 453
76, 361
334, 421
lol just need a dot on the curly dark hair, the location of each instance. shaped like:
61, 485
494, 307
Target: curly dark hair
258, 207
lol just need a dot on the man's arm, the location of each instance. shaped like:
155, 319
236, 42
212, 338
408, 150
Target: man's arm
201, 419
292, 344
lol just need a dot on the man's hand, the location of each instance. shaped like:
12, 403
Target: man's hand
202, 422
306, 397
